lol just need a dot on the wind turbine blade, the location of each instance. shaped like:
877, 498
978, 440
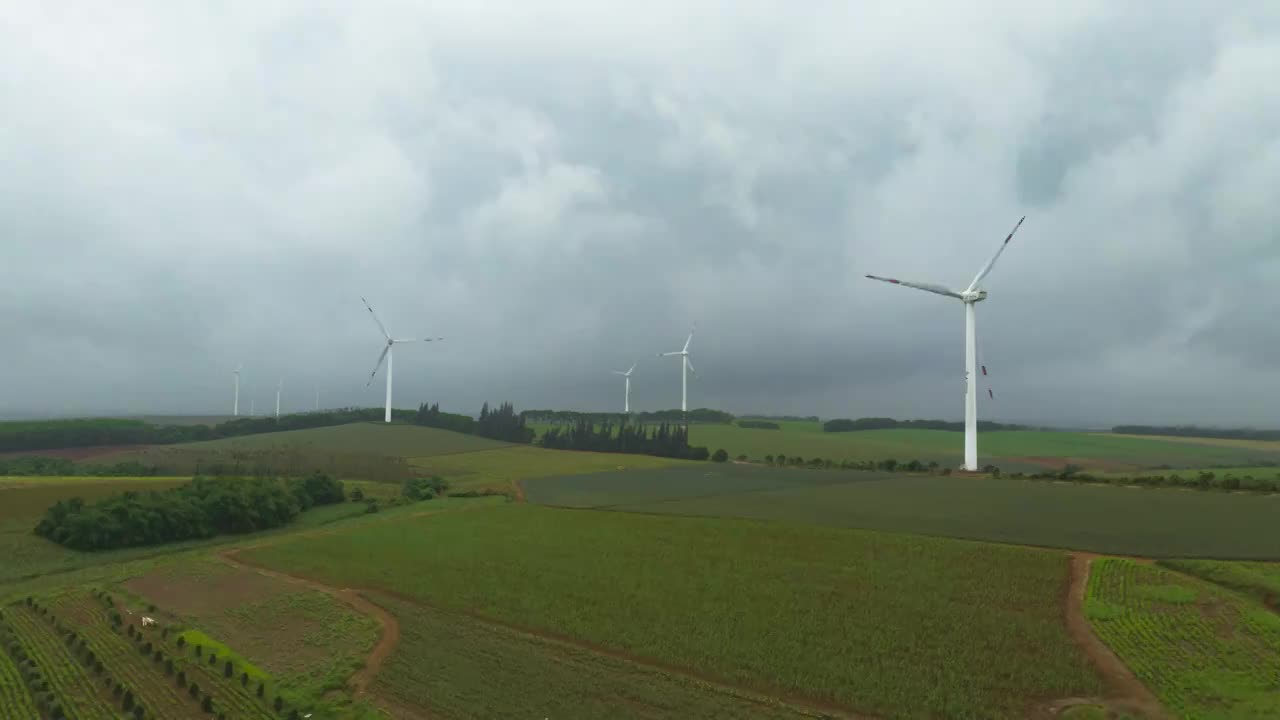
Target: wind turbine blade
375, 318
385, 349
619, 372
633, 369
686, 342
986, 269
690, 364
678, 352
927, 287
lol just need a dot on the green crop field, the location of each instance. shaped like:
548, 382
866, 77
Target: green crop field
497, 672
896, 625
1107, 519
498, 469
395, 440
1259, 579
1011, 450
1205, 652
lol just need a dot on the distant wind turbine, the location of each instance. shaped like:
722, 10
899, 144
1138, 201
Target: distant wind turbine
279, 386
386, 353
626, 399
970, 297
235, 408
686, 367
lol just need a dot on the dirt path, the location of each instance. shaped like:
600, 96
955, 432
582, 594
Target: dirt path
1124, 691
388, 636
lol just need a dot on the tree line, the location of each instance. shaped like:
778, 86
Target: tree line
1194, 431
665, 440
39, 465
880, 423
201, 508
759, 424
86, 432
503, 423
571, 417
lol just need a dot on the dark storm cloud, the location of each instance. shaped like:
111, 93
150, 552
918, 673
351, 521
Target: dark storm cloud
561, 189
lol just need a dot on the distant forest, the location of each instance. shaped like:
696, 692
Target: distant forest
1193, 431
666, 440
788, 418
843, 425
571, 417
504, 423
49, 434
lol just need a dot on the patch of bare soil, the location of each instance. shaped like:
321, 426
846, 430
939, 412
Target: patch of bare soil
1125, 693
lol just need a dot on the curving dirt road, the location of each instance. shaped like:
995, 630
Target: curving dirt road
388, 637
1125, 692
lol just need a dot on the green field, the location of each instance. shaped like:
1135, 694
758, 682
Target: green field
1099, 518
1259, 579
498, 672
896, 625
1012, 450
396, 440
1205, 652
499, 469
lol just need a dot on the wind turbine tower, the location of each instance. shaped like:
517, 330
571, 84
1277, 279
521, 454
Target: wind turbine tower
626, 398
386, 353
686, 367
235, 407
970, 297
279, 386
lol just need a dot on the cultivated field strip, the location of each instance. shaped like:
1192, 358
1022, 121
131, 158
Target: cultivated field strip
1205, 652
229, 696
80, 696
15, 699
158, 693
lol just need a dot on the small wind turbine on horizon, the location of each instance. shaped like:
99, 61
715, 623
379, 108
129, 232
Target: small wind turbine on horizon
386, 354
235, 407
686, 367
279, 386
626, 398
970, 297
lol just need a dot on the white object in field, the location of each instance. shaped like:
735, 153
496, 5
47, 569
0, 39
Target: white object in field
970, 297
146, 621
386, 355
235, 407
626, 398
686, 367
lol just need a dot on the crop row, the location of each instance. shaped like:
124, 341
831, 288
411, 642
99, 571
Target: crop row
14, 695
51, 667
137, 667
235, 691
212, 687
1195, 646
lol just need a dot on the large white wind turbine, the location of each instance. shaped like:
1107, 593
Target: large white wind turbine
386, 353
626, 399
970, 297
235, 408
279, 386
686, 367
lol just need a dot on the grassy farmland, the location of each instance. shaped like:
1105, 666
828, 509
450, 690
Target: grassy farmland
1109, 519
886, 624
1012, 450
1206, 652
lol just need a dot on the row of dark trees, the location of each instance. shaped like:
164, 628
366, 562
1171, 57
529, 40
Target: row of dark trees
704, 416
502, 423
1193, 431
201, 508
759, 424
879, 423
666, 440
39, 465
48, 434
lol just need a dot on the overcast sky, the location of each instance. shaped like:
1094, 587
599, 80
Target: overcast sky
563, 188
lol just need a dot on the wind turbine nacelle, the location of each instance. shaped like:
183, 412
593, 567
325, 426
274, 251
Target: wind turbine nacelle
975, 296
